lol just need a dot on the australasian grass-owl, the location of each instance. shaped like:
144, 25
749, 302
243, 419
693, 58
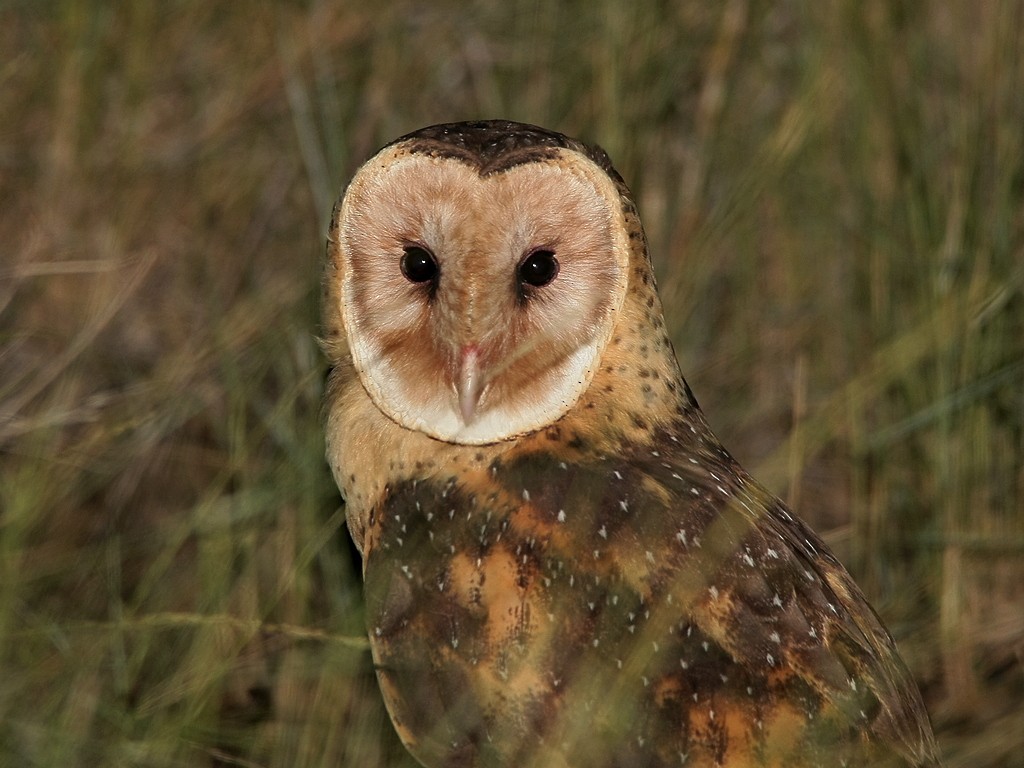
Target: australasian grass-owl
562, 564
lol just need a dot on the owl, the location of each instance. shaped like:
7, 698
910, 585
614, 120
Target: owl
563, 567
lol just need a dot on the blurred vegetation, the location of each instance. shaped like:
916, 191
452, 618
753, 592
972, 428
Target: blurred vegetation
834, 194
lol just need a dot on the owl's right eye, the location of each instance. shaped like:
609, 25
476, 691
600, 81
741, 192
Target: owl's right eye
418, 264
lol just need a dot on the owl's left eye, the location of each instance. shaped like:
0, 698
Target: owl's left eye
539, 268
418, 264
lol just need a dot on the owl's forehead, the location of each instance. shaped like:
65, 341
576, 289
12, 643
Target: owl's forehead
487, 168
558, 183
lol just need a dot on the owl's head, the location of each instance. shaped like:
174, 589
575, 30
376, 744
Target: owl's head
475, 271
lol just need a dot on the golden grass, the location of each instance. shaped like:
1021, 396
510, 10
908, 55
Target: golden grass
834, 195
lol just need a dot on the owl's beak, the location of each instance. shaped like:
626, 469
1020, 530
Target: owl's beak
469, 382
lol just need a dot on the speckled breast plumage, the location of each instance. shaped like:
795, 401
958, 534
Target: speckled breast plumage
654, 608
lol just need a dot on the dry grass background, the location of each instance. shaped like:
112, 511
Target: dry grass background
834, 194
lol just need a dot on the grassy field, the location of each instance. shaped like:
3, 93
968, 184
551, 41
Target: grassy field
834, 194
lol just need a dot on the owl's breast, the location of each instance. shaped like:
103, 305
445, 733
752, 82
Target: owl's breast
459, 620
544, 608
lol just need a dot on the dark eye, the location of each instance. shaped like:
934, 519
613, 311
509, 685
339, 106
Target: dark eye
418, 264
539, 268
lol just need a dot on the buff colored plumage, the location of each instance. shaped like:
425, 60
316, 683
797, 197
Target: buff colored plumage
563, 566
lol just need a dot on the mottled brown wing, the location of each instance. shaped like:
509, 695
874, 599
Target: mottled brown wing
778, 602
648, 609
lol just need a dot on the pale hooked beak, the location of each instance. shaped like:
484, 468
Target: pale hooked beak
469, 382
